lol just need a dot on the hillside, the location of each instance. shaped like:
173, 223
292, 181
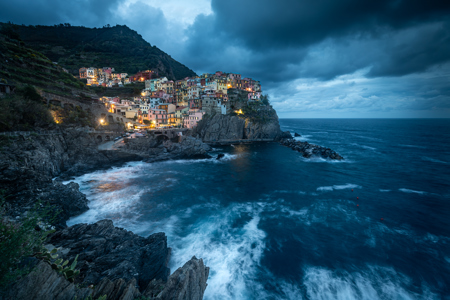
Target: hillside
119, 47
29, 72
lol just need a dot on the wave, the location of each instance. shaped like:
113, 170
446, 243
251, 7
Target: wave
289, 192
412, 146
226, 157
373, 282
232, 253
338, 187
412, 191
364, 146
425, 158
384, 191
316, 159
303, 138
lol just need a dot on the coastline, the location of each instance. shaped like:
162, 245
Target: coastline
36, 166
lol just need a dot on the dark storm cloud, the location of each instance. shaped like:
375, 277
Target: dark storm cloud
284, 40
50, 12
267, 23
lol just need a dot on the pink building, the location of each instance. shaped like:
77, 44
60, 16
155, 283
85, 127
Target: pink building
194, 115
158, 116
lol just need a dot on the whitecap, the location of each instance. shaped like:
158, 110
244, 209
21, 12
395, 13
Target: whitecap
372, 282
338, 187
384, 191
412, 191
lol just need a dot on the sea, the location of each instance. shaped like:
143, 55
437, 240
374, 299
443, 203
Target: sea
271, 224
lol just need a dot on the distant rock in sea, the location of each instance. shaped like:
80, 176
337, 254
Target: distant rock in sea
310, 150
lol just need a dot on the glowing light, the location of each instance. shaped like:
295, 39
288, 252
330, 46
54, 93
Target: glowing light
101, 121
239, 112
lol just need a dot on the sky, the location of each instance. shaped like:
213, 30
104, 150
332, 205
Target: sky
315, 59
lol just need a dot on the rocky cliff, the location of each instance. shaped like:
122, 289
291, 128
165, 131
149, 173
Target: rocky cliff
28, 164
113, 262
260, 122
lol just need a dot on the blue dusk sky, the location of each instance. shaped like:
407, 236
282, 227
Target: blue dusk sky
315, 59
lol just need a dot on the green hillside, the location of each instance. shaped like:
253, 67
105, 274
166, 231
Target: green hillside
29, 71
73, 47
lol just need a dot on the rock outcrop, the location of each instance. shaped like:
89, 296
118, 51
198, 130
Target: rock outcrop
44, 283
308, 150
106, 251
112, 262
187, 282
259, 124
152, 149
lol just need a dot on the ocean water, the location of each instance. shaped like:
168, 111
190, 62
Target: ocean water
273, 225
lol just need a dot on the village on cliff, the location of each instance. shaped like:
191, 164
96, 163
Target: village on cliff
166, 103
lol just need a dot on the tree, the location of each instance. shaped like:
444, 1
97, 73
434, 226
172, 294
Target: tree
265, 99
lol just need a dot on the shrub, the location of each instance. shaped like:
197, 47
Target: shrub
21, 239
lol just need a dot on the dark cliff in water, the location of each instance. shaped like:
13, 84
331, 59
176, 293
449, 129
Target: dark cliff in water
259, 123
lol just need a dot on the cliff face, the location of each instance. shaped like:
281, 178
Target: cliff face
261, 123
28, 164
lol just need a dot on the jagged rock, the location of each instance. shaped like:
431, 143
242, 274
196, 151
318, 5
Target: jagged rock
286, 135
107, 251
296, 134
187, 282
308, 150
220, 155
44, 283
117, 290
262, 124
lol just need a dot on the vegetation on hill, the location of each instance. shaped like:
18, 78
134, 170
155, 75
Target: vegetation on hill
118, 47
29, 71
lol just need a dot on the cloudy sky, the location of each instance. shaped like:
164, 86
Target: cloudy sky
323, 58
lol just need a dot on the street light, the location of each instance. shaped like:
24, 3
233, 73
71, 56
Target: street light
101, 121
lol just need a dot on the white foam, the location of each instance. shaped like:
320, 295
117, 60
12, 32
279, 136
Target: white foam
384, 191
226, 157
338, 187
317, 159
290, 192
412, 191
233, 254
303, 138
371, 283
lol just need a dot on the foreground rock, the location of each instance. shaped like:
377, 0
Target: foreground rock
44, 283
106, 251
260, 124
308, 150
114, 262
